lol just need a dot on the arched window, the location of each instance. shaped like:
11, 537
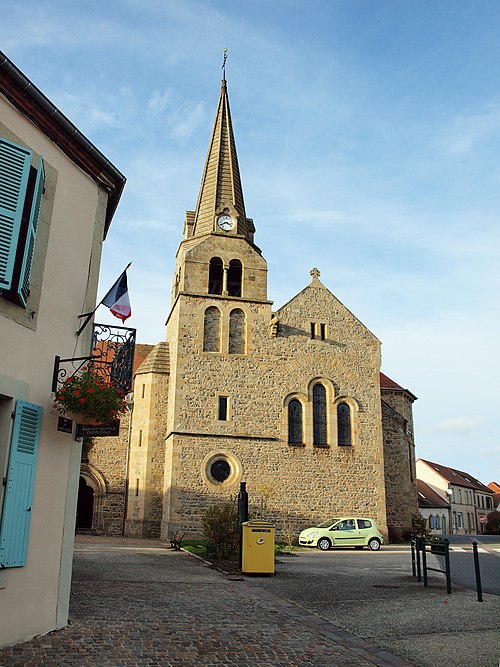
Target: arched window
319, 416
344, 437
234, 278
295, 436
237, 333
215, 274
211, 330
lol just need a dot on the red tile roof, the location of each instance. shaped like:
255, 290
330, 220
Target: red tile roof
458, 477
387, 383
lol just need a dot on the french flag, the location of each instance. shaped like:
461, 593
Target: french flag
117, 298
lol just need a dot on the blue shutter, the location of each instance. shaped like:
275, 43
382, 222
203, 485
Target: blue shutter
14, 530
24, 279
15, 164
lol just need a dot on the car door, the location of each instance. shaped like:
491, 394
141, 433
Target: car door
346, 533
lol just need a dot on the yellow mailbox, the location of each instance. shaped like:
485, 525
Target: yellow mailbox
257, 549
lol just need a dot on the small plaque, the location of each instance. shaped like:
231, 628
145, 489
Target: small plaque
65, 425
99, 431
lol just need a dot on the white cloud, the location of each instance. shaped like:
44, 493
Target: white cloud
458, 424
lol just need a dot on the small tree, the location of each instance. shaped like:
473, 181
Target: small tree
220, 528
493, 523
420, 526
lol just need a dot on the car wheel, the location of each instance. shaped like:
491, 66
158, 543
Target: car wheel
374, 544
324, 543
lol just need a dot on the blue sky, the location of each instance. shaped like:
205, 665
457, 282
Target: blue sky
368, 136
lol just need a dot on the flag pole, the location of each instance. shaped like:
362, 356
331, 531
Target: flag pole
89, 316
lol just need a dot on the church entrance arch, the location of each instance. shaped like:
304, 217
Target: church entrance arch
91, 494
85, 507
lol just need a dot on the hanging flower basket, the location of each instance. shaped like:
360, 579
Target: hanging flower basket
88, 399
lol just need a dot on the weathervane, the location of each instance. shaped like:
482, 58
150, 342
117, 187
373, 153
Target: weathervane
224, 51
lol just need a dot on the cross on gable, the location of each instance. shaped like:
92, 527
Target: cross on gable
315, 273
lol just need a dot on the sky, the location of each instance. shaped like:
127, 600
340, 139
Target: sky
368, 139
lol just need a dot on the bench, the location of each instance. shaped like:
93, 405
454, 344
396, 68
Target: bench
176, 541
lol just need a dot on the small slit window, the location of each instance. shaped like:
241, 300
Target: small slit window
222, 409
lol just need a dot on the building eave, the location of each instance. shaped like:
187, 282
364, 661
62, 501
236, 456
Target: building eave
35, 106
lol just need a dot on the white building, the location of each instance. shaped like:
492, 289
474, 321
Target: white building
470, 500
58, 194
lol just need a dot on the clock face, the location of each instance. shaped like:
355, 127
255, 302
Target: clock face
225, 222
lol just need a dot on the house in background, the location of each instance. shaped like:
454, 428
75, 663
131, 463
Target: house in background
434, 509
58, 194
493, 486
470, 500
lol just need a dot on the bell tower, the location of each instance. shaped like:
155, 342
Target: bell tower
217, 255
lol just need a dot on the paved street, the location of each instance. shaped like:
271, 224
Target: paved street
137, 603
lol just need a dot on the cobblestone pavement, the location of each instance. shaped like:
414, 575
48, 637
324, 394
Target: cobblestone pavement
139, 604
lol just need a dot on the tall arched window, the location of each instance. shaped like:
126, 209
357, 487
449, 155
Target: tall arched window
344, 424
319, 416
215, 275
211, 330
237, 332
234, 274
295, 436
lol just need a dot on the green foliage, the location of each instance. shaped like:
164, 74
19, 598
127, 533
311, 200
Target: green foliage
493, 523
420, 526
220, 528
90, 397
197, 547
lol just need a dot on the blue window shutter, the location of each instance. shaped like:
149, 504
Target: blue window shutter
16, 517
15, 162
24, 280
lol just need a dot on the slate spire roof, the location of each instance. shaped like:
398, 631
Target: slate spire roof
221, 182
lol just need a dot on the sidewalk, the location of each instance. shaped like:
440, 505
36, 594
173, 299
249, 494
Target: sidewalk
137, 603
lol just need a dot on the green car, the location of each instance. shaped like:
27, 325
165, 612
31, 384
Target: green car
343, 532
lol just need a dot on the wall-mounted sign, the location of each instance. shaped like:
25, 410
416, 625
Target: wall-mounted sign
64, 424
100, 431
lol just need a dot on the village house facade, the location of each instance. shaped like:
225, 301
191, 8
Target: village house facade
469, 500
58, 194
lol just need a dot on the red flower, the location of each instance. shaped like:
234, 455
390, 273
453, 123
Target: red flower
90, 390
83, 400
76, 393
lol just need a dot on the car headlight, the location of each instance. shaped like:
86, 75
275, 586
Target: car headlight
313, 533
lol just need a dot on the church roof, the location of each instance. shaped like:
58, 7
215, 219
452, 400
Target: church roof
157, 361
221, 182
387, 383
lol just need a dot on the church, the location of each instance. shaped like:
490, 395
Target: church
291, 401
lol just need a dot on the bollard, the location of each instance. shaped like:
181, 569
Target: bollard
447, 565
478, 573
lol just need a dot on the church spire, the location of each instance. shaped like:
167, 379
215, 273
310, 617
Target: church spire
220, 187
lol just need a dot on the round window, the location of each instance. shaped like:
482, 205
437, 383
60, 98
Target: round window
220, 470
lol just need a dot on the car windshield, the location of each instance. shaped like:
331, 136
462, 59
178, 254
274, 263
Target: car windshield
327, 524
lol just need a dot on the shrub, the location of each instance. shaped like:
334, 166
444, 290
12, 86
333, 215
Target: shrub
493, 523
220, 528
420, 526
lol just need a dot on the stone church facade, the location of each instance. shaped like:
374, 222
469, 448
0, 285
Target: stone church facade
290, 401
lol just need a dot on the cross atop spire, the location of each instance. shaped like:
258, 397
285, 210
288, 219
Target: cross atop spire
224, 51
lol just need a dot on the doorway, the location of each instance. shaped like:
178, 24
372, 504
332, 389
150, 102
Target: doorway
85, 506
